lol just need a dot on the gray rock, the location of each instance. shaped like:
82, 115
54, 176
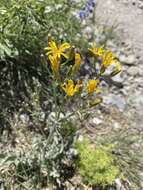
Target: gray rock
129, 60
118, 184
136, 100
133, 71
116, 100
72, 153
141, 72
96, 121
140, 5
125, 2
24, 118
118, 78
116, 125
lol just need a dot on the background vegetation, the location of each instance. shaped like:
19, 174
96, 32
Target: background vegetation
34, 152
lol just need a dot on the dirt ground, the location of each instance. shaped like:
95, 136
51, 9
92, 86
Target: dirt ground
127, 15
127, 18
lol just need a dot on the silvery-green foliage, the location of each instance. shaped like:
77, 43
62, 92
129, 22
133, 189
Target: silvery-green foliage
40, 164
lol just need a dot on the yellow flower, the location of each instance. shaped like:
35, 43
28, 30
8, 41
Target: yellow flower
92, 86
57, 50
77, 64
107, 59
54, 64
97, 51
70, 88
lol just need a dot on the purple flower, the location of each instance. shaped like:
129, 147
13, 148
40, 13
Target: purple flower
91, 2
89, 7
82, 15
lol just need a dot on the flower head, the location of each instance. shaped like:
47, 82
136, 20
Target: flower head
107, 59
82, 14
89, 7
92, 86
70, 88
57, 50
77, 64
97, 51
54, 64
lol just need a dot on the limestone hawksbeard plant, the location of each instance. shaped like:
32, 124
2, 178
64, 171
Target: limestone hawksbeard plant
71, 93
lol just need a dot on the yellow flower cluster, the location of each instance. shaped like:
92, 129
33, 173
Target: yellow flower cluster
107, 59
54, 54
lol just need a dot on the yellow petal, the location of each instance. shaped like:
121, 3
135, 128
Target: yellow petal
52, 44
69, 88
92, 86
77, 59
97, 51
64, 46
77, 64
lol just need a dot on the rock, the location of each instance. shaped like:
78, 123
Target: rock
116, 125
111, 44
118, 78
72, 153
129, 60
136, 100
124, 91
42, 115
96, 121
125, 2
133, 71
118, 184
80, 138
133, 2
141, 72
87, 30
139, 81
115, 100
24, 118
140, 5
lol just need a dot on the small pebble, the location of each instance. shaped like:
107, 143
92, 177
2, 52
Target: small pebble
96, 121
129, 60
133, 71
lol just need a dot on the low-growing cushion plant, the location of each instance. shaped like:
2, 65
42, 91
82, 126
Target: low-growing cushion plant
96, 164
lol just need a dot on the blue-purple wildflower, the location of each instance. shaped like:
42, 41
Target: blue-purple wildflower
82, 14
89, 7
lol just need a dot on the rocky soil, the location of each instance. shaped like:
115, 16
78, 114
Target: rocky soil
122, 112
126, 16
